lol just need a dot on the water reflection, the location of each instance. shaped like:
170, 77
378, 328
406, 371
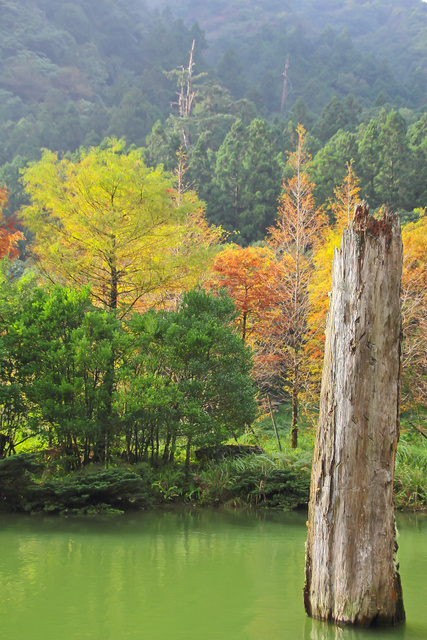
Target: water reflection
196, 574
318, 630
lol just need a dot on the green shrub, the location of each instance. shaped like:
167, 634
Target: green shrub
16, 479
91, 492
271, 481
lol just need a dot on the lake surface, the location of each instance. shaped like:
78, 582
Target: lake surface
179, 575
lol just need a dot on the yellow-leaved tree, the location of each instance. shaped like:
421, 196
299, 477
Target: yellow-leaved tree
414, 315
105, 220
341, 207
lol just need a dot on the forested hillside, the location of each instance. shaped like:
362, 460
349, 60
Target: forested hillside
148, 161
73, 73
334, 46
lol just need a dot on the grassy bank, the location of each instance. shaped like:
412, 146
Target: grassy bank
274, 479
270, 480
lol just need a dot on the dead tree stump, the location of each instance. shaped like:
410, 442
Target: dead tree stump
351, 571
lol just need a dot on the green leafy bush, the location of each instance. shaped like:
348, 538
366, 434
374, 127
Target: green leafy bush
96, 491
15, 480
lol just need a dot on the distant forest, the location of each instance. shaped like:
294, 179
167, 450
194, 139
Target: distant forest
353, 73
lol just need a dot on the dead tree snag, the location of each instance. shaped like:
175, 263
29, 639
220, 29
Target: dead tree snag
351, 571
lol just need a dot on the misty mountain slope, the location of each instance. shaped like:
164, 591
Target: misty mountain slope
335, 47
73, 72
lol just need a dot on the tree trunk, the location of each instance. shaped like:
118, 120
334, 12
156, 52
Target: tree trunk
165, 456
187, 454
173, 447
279, 444
295, 394
351, 571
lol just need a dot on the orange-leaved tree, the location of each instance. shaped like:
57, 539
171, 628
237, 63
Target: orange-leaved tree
251, 278
248, 276
9, 235
298, 228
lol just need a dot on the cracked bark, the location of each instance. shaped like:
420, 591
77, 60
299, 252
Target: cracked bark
351, 571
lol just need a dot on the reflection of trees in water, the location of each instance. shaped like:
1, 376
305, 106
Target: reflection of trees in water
196, 574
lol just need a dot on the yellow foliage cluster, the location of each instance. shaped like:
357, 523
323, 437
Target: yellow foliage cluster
106, 221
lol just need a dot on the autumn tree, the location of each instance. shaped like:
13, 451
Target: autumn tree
253, 281
247, 274
9, 235
414, 315
105, 220
292, 238
340, 211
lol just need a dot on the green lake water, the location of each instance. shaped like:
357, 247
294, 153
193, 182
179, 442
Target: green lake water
179, 575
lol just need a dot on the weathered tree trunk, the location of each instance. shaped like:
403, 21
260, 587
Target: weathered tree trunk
351, 573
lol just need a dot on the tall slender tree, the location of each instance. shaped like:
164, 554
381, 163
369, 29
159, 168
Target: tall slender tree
395, 163
297, 229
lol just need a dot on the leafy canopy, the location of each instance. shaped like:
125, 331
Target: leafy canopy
105, 220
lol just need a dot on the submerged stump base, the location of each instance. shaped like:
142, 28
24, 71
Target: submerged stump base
351, 571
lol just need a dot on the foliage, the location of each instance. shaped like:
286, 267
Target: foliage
247, 175
71, 73
298, 228
271, 480
267, 481
90, 386
410, 484
414, 312
87, 383
189, 377
173, 484
67, 80
15, 480
56, 353
330, 162
334, 48
9, 235
107, 221
248, 276
14, 405
90, 492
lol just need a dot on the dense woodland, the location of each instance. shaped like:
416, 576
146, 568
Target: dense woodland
173, 182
